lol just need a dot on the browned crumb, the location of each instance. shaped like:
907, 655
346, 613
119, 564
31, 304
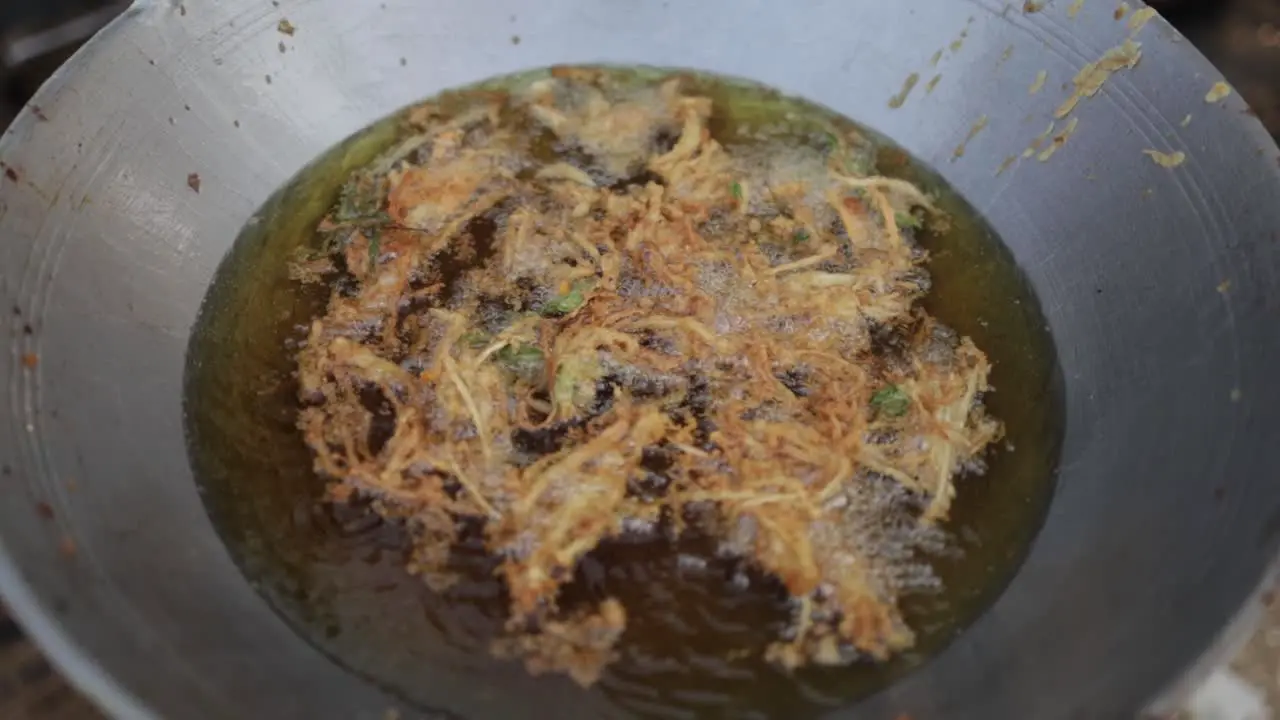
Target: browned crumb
193, 181
30, 361
286, 27
579, 646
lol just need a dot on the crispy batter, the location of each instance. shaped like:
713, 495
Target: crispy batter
518, 338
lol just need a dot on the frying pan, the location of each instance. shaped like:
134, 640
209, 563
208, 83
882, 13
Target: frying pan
126, 180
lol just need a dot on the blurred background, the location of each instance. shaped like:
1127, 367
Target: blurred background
1241, 37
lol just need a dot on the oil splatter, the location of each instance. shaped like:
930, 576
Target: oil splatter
1004, 57
1186, 120
908, 85
1059, 140
1121, 11
1038, 85
1075, 9
1224, 287
1166, 160
1236, 395
933, 83
1030, 7
1008, 163
1218, 92
937, 57
31, 361
1093, 76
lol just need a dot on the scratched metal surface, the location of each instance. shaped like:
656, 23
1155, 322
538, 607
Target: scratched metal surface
1158, 285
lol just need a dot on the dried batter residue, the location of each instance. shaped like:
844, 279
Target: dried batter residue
978, 126
1218, 92
1140, 19
1166, 160
1038, 141
1059, 140
1038, 85
908, 85
1093, 76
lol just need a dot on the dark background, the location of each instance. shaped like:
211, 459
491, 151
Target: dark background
1241, 37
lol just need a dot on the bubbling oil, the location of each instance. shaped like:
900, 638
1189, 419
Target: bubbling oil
698, 623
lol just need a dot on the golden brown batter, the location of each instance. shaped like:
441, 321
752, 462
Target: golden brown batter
575, 314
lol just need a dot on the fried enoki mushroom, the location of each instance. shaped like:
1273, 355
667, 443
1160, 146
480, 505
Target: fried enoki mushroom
572, 308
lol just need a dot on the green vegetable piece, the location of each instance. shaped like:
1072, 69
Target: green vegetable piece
477, 340
525, 361
908, 220
736, 189
891, 400
564, 304
800, 236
